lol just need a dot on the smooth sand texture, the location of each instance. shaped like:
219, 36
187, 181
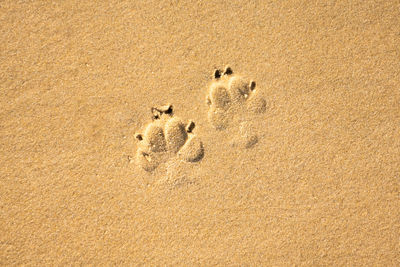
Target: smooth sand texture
320, 187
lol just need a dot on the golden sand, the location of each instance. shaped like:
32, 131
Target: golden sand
306, 175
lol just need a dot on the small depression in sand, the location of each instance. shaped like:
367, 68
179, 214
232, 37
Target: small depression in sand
167, 137
233, 104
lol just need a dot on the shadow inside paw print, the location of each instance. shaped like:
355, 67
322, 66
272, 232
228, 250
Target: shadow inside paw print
232, 101
165, 137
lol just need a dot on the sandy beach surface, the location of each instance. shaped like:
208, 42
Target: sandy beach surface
307, 176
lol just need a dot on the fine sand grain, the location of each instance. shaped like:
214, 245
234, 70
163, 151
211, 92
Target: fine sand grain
289, 156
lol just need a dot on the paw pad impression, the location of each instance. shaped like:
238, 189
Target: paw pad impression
165, 137
233, 100
230, 95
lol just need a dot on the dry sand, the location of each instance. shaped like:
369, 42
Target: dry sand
320, 187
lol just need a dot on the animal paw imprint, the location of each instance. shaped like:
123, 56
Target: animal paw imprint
233, 101
165, 137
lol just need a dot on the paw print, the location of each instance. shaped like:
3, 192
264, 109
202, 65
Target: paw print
232, 101
165, 137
